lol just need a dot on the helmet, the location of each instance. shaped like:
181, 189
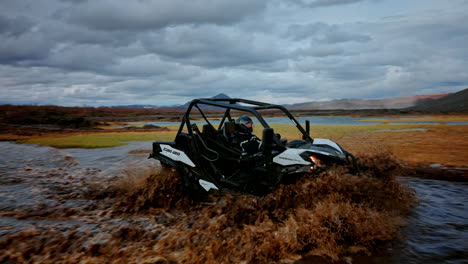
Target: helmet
245, 124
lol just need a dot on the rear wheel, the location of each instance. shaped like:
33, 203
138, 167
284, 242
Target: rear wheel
165, 165
190, 178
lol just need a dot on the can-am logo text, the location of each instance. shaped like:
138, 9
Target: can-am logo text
171, 151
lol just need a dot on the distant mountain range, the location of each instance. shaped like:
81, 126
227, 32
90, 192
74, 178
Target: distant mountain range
218, 96
442, 102
353, 104
176, 107
454, 102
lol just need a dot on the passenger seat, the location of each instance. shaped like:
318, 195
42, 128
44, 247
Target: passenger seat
228, 129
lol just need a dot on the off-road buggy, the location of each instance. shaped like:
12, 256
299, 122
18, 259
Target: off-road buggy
206, 159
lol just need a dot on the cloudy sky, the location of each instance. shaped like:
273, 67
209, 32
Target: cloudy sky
116, 52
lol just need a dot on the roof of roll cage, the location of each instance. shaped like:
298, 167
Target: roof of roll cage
241, 105
237, 103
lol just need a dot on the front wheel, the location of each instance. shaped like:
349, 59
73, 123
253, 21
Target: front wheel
191, 183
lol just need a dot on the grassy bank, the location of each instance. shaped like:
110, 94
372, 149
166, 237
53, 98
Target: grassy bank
98, 140
113, 139
336, 132
413, 143
440, 144
436, 118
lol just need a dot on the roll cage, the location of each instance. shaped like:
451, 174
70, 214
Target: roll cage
240, 105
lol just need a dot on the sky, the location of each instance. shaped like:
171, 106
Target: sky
166, 52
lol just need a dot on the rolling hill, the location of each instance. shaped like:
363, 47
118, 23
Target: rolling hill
435, 103
354, 104
455, 102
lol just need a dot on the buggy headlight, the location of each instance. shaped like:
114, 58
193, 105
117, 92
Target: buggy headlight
316, 161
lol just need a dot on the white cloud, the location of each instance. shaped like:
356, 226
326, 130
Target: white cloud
151, 14
159, 52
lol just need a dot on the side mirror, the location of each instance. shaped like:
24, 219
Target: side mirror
307, 128
267, 140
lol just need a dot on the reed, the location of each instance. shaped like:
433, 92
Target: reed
99, 140
331, 215
113, 139
441, 118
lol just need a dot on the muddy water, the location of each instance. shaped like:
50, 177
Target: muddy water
49, 195
438, 227
42, 187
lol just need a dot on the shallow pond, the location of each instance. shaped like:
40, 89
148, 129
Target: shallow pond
319, 120
438, 228
38, 184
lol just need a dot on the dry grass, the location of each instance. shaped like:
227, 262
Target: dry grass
333, 215
442, 144
143, 190
434, 118
98, 140
336, 132
445, 144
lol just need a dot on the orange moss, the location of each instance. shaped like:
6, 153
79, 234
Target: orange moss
333, 215
445, 145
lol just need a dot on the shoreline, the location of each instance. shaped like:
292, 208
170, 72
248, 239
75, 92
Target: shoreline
458, 174
438, 152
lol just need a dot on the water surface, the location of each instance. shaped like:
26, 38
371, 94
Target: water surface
38, 182
322, 120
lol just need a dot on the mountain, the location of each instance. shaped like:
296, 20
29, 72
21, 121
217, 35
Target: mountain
184, 106
443, 102
218, 96
135, 106
221, 96
455, 102
348, 104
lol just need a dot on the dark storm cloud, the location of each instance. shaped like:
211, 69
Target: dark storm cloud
324, 33
319, 51
74, 1
448, 35
323, 3
14, 26
25, 47
20, 40
107, 52
146, 14
81, 57
65, 33
213, 46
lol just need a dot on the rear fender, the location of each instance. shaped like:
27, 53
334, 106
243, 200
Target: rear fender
166, 152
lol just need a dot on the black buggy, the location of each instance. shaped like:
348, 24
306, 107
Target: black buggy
206, 158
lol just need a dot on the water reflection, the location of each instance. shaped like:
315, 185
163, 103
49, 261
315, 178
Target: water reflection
319, 120
438, 229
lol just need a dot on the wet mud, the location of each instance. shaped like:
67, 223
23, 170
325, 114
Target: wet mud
72, 206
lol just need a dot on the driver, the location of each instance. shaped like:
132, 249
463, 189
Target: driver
243, 137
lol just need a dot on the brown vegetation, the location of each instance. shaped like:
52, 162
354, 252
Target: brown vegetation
446, 145
48, 117
334, 215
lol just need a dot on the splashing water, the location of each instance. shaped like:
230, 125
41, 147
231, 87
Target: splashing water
118, 206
